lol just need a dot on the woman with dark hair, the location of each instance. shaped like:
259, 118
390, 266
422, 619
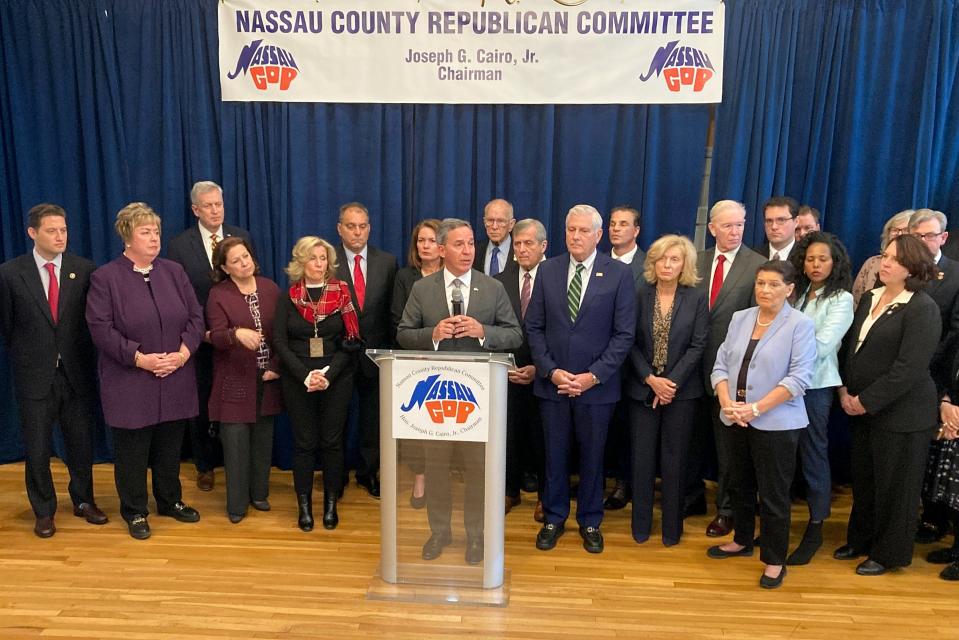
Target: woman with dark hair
245, 394
824, 278
868, 276
423, 259
891, 398
314, 332
762, 369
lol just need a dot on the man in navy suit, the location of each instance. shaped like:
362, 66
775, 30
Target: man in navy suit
193, 249
42, 303
580, 326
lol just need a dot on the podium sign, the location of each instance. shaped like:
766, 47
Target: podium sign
441, 401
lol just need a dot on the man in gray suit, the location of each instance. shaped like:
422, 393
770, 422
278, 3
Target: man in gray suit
487, 323
728, 272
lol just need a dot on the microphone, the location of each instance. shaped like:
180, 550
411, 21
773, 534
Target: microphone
457, 298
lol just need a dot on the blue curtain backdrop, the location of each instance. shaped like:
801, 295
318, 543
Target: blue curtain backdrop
103, 102
851, 106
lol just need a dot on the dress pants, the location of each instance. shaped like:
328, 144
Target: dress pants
814, 452
524, 436
205, 448
156, 447
247, 458
724, 503
74, 413
763, 461
319, 423
565, 420
887, 472
439, 500
617, 459
672, 426
368, 423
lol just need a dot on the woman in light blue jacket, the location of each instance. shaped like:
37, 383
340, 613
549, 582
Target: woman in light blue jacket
762, 370
824, 283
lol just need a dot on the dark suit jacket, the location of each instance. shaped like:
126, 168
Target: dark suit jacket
890, 372
600, 339
944, 290
402, 286
187, 249
763, 250
479, 259
235, 372
736, 294
509, 278
32, 338
487, 303
688, 332
638, 266
376, 326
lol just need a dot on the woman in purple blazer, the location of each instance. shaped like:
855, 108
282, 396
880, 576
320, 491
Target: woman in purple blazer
146, 323
245, 394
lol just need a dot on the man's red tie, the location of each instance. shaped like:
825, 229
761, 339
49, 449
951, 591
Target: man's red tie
717, 280
359, 284
53, 291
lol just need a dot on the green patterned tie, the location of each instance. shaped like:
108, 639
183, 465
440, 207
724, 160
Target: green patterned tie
574, 292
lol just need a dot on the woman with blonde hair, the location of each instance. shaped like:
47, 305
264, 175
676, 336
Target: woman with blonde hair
315, 329
672, 323
868, 277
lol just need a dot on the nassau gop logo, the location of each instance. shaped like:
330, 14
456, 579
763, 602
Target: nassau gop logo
445, 401
681, 67
267, 65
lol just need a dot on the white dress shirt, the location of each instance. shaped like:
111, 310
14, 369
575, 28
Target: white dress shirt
207, 245
903, 298
730, 258
626, 258
44, 274
587, 270
501, 257
783, 253
351, 259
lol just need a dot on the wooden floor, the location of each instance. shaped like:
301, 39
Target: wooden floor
263, 578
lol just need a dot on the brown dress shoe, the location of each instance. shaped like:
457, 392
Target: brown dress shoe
512, 501
90, 512
44, 527
205, 480
538, 514
720, 526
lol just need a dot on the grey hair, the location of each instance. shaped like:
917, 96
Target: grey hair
447, 225
509, 206
725, 205
533, 223
896, 220
586, 210
924, 215
201, 187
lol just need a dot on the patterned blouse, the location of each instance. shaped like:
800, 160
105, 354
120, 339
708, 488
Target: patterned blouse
661, 325
263, 354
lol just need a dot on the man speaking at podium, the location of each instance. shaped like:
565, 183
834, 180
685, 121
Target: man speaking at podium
457, 309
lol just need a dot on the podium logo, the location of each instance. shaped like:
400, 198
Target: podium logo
681, 67
443, 400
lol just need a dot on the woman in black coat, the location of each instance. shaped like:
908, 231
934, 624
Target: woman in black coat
891, 398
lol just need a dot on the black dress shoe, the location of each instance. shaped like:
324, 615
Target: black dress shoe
927, 533
846, 552
90, 512
718, 553
592, 539
261, 505
304, 507
139, 527
951, 572
434, 546
44, 527
474, 549
418, 502
720, 526
181, 513
772, 583
330, 517
619, 498
512, 501
869, 567
695, 508
236, 517
372, 485
549, 535
530, 482
942, 556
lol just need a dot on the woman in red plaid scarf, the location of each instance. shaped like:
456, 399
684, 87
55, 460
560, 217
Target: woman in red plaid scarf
315, 333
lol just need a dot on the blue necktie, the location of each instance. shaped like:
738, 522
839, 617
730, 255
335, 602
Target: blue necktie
494, 262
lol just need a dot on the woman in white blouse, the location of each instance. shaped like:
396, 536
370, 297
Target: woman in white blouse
892, 400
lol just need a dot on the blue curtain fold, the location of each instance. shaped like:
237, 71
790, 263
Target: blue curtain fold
103, 102
848, 105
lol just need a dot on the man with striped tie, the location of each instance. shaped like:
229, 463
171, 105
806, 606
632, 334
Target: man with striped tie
580, 325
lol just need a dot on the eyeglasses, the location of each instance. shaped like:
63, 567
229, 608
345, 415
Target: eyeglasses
777, 221
895, 232
927, 236
495, 222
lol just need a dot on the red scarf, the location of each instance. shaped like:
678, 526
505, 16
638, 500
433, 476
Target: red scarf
335, 298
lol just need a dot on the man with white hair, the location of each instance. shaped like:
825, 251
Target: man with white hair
580, 325
728, 271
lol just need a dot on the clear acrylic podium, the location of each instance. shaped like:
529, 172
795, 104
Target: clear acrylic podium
472, 474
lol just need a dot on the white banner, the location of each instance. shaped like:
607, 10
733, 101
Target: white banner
472, 51
441, 400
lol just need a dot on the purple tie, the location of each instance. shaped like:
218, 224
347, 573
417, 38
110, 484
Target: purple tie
525, 294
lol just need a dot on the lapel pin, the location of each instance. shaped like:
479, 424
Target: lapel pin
73, 276
940, 275
475, 288
599, 274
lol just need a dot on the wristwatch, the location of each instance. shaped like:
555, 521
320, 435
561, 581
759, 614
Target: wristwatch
595, 379
755, 407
